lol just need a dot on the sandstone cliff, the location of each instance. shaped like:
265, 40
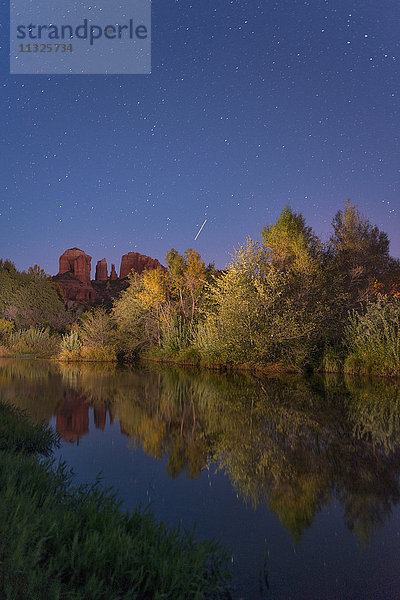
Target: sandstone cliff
101, 270
133, 261
113, 274
77, 262
74, 281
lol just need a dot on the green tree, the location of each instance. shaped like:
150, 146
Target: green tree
360, 253
144, 307
37, 303
30, 299
9, 284
272, 303
177, 265
195, 278
37, 272
188, 276
290, 243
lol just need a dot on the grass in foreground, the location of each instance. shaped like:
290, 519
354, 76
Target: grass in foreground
65, 542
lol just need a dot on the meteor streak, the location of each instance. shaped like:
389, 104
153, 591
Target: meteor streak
199, 232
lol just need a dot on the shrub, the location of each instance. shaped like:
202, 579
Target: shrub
98, 353
177, 336
332, 360
6, 327
207, 340
35, 340
97, 328
69, 355
73, 349
89, 354
70, 342
189, 356
17, 434
373, 338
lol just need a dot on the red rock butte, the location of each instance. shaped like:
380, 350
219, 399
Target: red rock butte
74, 276
77, 262
101, 270
133, 261
113, 274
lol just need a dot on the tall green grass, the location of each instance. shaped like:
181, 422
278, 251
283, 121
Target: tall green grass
177, 343
177, 336
332, 360
73, 349
59, 541
70, 342
89, 354
19, 435
35, 340
373, 339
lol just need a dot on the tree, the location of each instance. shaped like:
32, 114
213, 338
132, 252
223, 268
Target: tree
195, 277
177, 266
360, 253
132, 320
254, 313
188, 276
145, 306
275, 300
290, 243
37, 303
29, 299
313, 289
37, 273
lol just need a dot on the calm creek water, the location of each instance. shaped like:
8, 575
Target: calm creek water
298, 478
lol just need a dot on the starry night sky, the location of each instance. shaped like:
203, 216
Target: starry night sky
250, 106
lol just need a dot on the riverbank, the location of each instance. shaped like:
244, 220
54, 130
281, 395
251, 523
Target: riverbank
270, 370
59, 540
276, 369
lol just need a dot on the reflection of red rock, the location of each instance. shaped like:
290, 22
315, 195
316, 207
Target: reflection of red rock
72, 419
113, 274
133, 261
101, 270
77, 262
100, 417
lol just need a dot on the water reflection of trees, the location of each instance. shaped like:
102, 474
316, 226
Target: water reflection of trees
291, 443
33, 386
